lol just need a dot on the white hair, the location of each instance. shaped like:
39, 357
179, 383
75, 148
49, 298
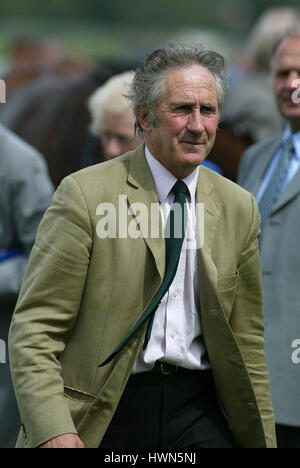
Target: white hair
294, 34
110, 98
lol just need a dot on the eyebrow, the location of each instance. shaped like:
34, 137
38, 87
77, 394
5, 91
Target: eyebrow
188, 102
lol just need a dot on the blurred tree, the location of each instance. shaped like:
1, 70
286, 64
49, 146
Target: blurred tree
134, 12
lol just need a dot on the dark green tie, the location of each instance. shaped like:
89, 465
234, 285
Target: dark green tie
174, 236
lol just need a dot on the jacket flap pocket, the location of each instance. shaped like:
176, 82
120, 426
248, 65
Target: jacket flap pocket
78, 395
227, 290
227, 282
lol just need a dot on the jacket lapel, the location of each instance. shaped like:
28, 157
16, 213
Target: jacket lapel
141, 190
207, 269
289, 193
293, 187
264, 161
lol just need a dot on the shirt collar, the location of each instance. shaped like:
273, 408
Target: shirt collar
296, 141
164, 180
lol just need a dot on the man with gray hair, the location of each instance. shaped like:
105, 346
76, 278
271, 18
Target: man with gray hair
250, 109
271, 170
140, 320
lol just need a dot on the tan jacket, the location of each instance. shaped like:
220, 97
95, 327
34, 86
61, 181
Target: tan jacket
82, 294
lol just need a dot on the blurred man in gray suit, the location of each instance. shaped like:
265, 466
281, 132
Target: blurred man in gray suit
25, 194
270, 170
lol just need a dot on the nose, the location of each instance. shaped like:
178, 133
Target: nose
293, 80
195, 122
111, 148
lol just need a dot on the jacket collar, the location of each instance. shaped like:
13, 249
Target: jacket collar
141, 188
264, 162
293, 187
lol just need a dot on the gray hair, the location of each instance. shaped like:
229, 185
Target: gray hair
292, 33
148, 88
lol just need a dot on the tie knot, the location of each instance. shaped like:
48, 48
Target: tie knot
180, 187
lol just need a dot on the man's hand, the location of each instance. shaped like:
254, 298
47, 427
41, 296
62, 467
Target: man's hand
64, 441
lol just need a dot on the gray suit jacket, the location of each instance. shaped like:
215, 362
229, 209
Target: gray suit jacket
25, 194
280, 254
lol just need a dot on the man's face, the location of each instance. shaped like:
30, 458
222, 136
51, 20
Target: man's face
117, 134
286, 74
188, 120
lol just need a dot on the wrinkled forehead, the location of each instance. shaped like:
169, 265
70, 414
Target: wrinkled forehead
288, 54
190, 79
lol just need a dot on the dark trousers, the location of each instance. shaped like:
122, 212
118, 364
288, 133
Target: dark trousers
287, 436
179, 410
9, 414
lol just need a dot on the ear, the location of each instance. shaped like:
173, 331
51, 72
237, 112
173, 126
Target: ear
144, 120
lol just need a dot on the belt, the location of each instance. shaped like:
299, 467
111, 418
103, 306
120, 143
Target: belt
166, 368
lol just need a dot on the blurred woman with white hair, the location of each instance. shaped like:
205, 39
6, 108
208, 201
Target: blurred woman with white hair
112, 116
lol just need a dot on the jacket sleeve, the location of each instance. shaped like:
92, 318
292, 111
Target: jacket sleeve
30, 194
247, 323
46, 312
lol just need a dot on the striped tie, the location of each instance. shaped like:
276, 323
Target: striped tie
175, 233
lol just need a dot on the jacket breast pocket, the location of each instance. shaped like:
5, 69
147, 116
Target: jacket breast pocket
226, 291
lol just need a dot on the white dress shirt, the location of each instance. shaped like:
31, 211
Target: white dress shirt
176, 332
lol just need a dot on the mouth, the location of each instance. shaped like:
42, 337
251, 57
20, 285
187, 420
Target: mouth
192, 143
288, 103
288, 99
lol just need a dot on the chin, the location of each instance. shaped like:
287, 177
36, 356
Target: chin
194, 158
187, 165
292, 116
288, 109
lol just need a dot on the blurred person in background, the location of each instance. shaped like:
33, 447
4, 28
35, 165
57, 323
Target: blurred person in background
50, 113
25, 193
271, 170
250, 114
29, 50
112, 117
32, 57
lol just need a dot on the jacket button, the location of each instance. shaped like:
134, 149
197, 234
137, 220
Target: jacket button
250, 404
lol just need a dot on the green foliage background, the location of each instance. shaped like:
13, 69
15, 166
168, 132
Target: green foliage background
101, 29
131, 12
